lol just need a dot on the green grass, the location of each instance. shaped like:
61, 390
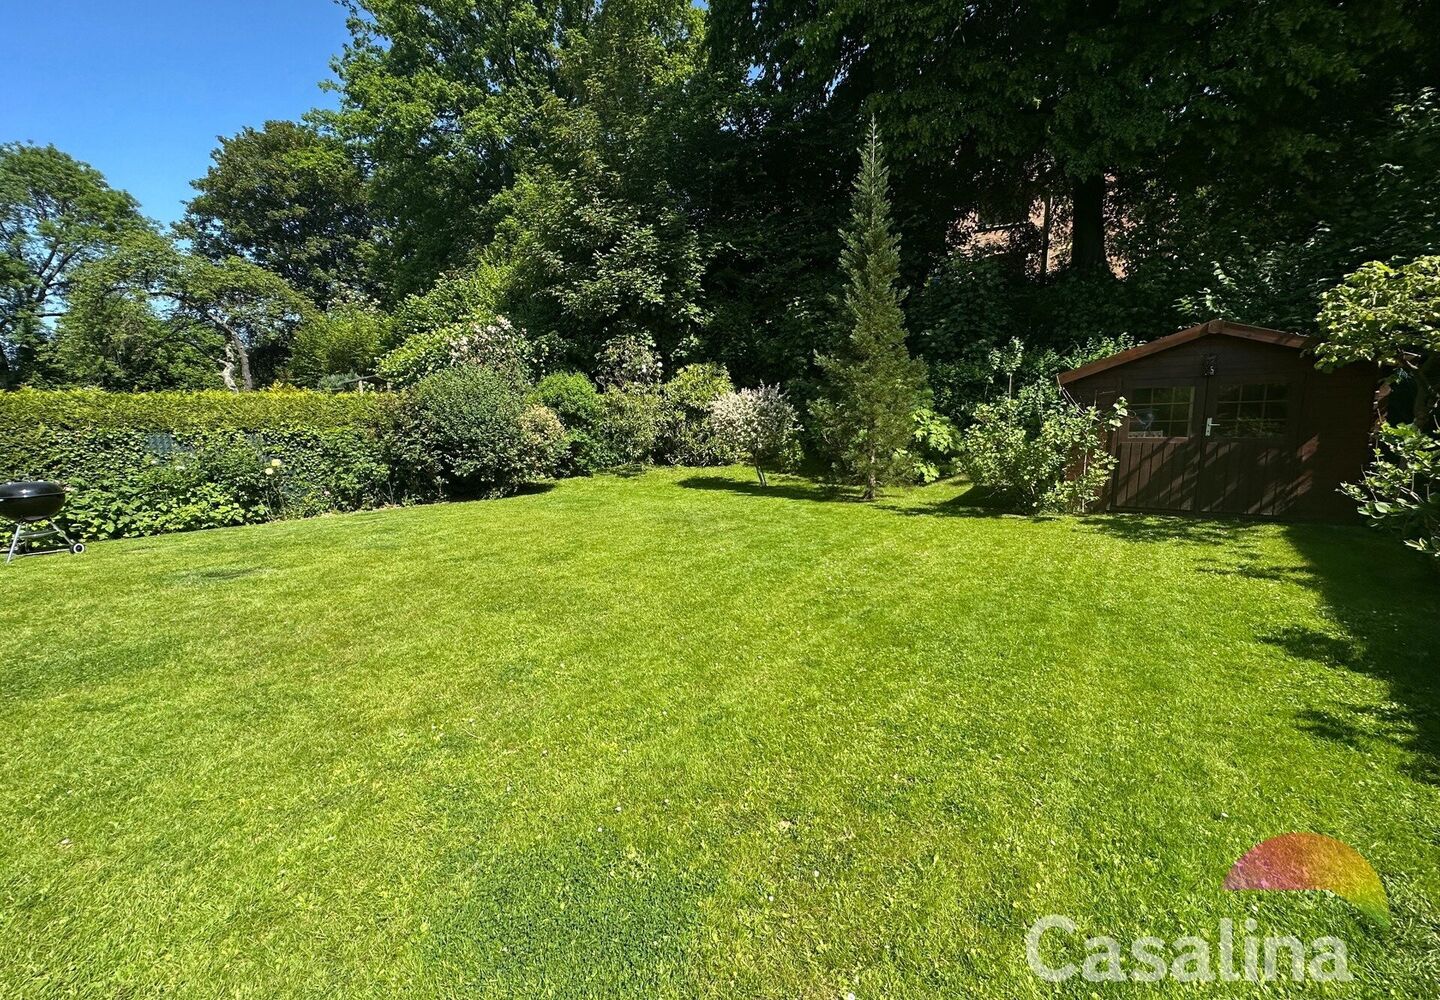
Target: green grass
673, 736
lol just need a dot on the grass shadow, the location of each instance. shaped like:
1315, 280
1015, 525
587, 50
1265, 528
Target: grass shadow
789, 490
1385, 603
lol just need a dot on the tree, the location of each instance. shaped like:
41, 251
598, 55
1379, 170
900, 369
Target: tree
1390, 316
872, 384
289, 198
595, 224
56, 214
439, 99
225, 310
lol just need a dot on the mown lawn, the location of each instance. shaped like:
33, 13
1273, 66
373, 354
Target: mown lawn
671, 736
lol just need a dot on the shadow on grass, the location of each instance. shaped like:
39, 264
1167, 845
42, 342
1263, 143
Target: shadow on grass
1385, 601
815, 492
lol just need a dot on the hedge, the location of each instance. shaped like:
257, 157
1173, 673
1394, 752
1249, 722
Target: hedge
147, 463
191, 411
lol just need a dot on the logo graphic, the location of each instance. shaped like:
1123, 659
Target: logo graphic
1298, 861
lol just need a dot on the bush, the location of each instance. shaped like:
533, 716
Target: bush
1401, 490
758, 426
577, 403
474, 425
687, 436
628, 362
1038, 452
339, 346
632, 423
149, 463
493, 343
932, 447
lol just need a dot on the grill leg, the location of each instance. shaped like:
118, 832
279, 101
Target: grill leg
14, 544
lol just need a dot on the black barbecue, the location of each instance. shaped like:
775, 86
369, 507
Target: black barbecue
29, 504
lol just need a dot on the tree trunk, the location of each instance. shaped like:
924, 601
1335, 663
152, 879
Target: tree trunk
1087, 224
237, 359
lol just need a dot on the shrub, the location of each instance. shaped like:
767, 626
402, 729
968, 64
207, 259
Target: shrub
283, 409
1038, 452
581, 409
687, 436
932, 446
494, 343
758, 426
632, 423
1401, 490
475, 426
339, 346
628, 362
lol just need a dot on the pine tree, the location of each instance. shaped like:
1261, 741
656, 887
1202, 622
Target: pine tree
872, 384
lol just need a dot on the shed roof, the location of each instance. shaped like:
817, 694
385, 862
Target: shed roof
1214, 327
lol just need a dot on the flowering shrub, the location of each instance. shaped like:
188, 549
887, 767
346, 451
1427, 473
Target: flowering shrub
628, 362
758, 426
1401, 490
1039, 452
494, 343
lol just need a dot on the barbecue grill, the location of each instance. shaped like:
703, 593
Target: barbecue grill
28, 505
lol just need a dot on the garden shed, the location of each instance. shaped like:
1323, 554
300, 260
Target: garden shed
1226, 418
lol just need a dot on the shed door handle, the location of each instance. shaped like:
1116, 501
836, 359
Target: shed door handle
1209, 426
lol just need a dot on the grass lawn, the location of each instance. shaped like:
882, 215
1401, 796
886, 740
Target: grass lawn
672, 736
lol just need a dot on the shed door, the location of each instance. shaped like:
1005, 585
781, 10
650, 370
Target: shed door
1160, 446
1249, 463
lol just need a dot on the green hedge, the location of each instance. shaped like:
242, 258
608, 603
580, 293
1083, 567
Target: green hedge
148, 463
191, 411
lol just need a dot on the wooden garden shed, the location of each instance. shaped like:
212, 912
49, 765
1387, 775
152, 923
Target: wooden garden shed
1226, 418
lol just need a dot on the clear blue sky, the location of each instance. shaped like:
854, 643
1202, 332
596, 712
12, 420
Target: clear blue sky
140, 88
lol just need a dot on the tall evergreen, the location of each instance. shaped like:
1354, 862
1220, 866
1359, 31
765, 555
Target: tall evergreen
872, 384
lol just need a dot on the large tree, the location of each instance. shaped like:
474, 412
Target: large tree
292, 199
56, 214
439, 99
180, 306
872, 386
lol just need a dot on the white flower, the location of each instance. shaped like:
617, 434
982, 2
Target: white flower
275, 463
269, 472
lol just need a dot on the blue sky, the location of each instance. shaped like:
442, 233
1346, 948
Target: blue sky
140, 89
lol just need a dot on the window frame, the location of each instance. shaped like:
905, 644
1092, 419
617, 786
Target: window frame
1129, 392
1213, 415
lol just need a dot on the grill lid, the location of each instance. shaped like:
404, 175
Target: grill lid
37, 488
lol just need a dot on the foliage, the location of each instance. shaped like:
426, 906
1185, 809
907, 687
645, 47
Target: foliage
628, 361
496, 343
872, 383
339, 345
146, 463
290, 198
224, 312
758, 426
1401, 489
573, 398
482, 435
687, 435
56, 214
1391, 316
632, 424
1040, 453
933, 443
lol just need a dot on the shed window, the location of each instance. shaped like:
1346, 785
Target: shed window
1161, 411
1256, 410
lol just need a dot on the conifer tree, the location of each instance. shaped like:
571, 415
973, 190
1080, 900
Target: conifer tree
872, 384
